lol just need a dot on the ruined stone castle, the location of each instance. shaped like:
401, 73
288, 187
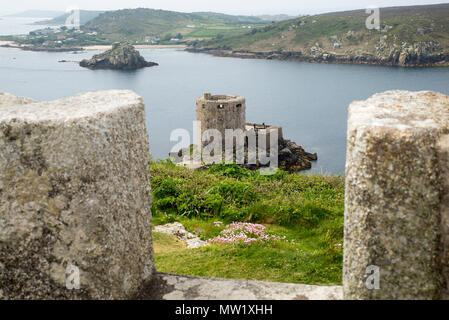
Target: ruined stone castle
223, 112
219, 114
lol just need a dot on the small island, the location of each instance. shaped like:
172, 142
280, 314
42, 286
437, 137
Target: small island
122, 56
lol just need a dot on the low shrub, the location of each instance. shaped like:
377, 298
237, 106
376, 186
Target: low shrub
235, 192
166, 187
231, 171
232, 193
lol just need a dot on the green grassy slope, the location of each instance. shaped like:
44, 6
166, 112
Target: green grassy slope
135, 24
306, 209
424, 28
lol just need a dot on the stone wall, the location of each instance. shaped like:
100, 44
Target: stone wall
266, 129
74, 191
397, 197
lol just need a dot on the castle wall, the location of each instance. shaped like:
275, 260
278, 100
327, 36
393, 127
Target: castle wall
266, 129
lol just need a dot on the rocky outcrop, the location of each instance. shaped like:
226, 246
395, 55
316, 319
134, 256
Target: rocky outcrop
120, 57
293, 157
75, 194
419, 54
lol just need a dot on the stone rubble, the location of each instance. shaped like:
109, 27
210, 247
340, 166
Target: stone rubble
177, 229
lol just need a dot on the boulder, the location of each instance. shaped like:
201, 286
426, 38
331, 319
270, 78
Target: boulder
120, 57
75, 197
293, 157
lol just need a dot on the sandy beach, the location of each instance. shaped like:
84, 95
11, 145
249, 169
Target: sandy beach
3, 43
142, 46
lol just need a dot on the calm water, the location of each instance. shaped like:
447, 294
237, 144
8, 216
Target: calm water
309, 100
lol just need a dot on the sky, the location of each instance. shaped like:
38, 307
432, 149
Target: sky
244, 7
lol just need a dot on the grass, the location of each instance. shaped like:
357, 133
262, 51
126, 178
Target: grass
216, 31
307, 209
164, 243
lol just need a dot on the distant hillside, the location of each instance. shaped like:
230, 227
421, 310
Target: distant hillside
225, 18
136, 24
415, 35
36, 14
277, 17
85, 16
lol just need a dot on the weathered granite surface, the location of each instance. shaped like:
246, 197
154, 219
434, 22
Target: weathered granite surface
397, 196
121, 57
75, 190
174, 287
7, 99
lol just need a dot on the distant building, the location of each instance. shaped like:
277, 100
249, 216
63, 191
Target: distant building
191, 26
174, 40
152, 39
61, 37
49, 44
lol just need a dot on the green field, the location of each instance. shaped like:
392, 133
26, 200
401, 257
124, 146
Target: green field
136, 24
306, 209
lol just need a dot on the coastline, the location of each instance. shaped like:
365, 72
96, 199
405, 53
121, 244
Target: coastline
141, 46
12, 44
441, 60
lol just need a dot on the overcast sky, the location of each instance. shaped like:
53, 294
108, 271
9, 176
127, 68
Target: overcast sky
246, 7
